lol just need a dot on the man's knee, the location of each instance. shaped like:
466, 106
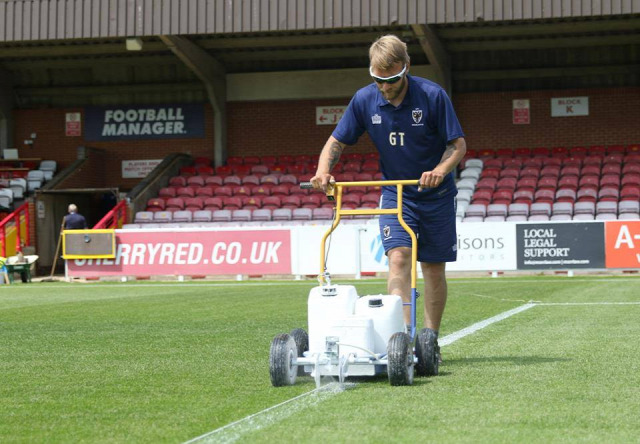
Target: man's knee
433, 270
399, 258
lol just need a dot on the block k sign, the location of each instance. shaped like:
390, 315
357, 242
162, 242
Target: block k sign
622, 244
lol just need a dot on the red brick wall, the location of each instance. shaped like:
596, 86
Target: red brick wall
288, 127
613, 118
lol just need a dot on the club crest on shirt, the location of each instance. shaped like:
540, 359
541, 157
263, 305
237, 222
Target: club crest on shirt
417, 115
386, 232
376, 119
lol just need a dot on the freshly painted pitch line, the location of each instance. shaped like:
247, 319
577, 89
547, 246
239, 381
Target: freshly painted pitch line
446, 340
589, 303
235, 430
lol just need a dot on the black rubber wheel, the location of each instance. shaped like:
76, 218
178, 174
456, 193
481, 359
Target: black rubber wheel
302, 343
400, 359
283, 353
426, 352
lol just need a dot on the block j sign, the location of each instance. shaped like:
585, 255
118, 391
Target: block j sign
144, 122
622, 244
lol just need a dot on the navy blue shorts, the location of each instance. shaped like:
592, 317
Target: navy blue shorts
433, 222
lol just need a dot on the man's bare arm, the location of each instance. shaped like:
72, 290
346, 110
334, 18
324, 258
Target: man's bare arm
329, 157
453, 154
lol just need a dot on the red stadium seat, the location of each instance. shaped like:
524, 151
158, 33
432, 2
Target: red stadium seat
279, 168
259, 170
288, 179
262, 190
223, 191
175, 204
235, 160
302, 158
286, 159
568, 182
549, 183
204, 170
298, 169
587, 195
566, 195
631, 168
352, 167
185, 192
616, 149
481, 197
513, 163
597, 150
550, 171
486, 153
541, 152
193, 203
187, 171
608, 194
570, 170
530, 172
490, 172
178, 181
523, 196
204, 192
213, 180
611, 168
532, 162
610, 180
195, 181
370, 166
290, 202
488, 183
504, 153
251, 179
502, 197
242, 190
559, 151
224, 170
251, 202
544, 195
522, 152
351, 201
493, 163
371, 197
578, 151
280, 190
363, 177
268, 160
631, 179
507, 183
590, 170
527, 183
510, 172
213, 203
231, 203
242, 170
589, 182
271, 202
572, 161
551, 162
156, 204
311, 201
592, 161
630, 192
251, 160
269, 178
167, 192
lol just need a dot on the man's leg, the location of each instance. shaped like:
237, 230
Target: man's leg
435, 293
399, 281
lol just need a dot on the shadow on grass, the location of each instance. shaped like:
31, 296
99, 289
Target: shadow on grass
514, 360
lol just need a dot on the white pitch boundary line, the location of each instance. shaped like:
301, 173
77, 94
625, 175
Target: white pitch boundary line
235, 430
589, 303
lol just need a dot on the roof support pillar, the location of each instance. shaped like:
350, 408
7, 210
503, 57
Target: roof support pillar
212, 73
436, 53
7, 104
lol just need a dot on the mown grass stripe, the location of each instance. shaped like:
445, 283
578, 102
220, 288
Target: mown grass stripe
235, 430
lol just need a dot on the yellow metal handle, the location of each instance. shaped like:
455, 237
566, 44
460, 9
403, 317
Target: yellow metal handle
336, 192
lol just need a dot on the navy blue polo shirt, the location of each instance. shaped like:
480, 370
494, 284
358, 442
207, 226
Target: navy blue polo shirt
411, 138
75, 221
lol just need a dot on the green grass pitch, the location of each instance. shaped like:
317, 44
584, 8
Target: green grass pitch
169, 362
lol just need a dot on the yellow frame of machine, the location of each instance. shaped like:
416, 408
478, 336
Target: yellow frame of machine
112, 255
335, 191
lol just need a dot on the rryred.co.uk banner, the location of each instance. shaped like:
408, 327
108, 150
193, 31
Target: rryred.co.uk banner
622, 244
149, 253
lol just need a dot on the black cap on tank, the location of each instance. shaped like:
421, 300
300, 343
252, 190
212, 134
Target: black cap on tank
375, 303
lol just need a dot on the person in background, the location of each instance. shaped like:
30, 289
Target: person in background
412, 123
74, 220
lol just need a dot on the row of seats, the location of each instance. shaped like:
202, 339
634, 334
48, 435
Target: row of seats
557, 151
238, 215
19, 187
545, 208
349, 201
558, 217
270, 179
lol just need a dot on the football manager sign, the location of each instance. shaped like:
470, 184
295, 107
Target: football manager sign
181, 121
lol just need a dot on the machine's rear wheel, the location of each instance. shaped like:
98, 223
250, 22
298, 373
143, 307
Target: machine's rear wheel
302, 343
426, 352
400, 359
281, 360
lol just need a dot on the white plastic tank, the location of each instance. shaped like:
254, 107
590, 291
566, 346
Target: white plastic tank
355, 334
386, 313
327, 303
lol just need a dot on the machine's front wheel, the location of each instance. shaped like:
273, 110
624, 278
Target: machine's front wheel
426, 352
302, 343
400, 359
281, 360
